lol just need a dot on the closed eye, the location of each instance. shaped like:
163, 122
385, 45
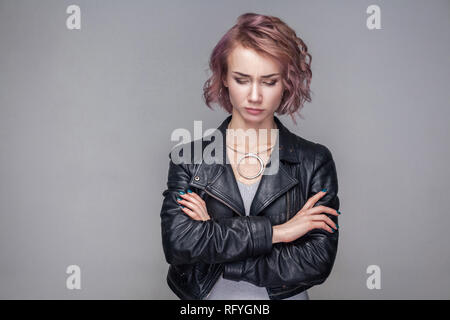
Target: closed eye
242, 81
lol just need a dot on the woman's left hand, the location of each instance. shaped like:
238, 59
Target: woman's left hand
194, 206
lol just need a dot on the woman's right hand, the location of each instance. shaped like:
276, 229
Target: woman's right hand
305, 220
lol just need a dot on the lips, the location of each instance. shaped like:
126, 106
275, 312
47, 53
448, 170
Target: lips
254, 111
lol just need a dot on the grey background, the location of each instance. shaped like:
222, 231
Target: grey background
86, 118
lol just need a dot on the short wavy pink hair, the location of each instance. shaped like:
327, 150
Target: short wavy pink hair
272, 37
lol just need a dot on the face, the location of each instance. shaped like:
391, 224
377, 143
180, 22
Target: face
254, 82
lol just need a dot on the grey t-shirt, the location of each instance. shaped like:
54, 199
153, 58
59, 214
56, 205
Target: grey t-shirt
226, 289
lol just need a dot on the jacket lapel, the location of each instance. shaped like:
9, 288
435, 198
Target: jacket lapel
218, 178
270, 188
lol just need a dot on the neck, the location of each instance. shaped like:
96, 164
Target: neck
254, 136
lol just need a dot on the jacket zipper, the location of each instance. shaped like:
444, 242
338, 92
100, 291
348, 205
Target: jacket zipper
287, 218
287, 210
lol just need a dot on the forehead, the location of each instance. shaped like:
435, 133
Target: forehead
250, 62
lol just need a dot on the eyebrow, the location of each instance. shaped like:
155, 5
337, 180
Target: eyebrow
246, 75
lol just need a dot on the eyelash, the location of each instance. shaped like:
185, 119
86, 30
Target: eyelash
243, 82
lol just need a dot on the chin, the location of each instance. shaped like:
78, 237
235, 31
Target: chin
255, 118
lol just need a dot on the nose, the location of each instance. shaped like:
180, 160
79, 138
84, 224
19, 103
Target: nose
255, 93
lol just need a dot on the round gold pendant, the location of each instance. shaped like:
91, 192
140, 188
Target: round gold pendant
251, 155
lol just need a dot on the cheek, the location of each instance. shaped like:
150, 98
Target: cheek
275, 95
237, 93
273, 100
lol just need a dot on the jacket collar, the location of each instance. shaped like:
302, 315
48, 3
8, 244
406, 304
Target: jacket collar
218, 179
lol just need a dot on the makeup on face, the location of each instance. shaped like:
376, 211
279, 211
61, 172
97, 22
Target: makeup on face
254, 111
243, 78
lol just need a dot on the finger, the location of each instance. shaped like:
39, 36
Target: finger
196, 196
321, 225
192, 199
191, 213
193, 207
311, 201
322, 209
195, 214
193, 204
202, 204
326, 219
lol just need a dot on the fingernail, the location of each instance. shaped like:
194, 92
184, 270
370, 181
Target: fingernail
189, 190
181, 205
337, 226
338, 212
332, 231
324, 190
182, 192
179, 198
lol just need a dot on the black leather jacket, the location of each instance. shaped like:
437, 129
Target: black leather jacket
241, 246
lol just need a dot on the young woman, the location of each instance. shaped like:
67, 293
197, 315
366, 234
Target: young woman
234, 230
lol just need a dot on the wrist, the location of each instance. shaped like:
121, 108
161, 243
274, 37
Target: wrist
276, 234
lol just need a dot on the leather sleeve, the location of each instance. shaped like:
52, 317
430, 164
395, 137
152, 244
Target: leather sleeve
308, 260
187, 241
